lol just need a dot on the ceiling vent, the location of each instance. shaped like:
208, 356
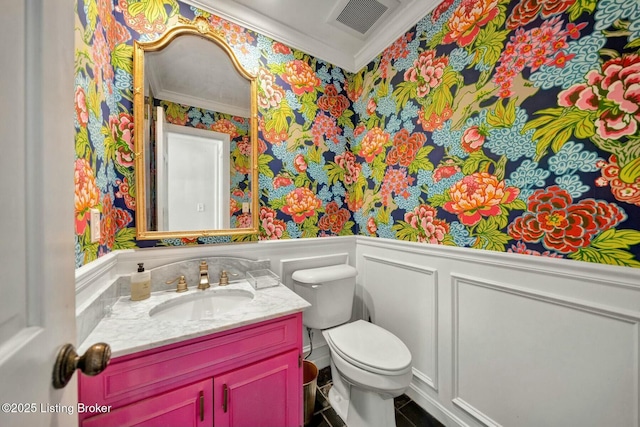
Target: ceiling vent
360, 15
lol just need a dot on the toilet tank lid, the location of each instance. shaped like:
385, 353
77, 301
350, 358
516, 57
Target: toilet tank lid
324, 274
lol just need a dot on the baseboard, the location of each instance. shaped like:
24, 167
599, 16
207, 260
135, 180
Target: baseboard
433, 407
320, 356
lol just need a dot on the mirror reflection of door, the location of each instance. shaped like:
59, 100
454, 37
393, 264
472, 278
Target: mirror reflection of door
193, 177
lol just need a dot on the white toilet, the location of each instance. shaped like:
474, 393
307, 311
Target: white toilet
369, 365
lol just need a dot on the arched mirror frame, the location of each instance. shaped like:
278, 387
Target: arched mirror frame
199, 27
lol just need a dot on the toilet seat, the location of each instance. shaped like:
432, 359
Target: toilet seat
370, 348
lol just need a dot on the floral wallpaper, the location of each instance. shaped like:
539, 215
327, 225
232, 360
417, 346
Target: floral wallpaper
507, 126
492, 124
304, 124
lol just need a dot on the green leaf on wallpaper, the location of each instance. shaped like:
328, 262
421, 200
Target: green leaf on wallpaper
277, 68
517, 204
378, 168
244, 238
616, 239
278, 121
92, 20
634, 44
334, 172
347, 229
437, 39
384, 215
93, 101
421, 162
403, 93
404, 231
630, 171
581, 6
502, 220
309, 105
606, 256
83, 147
476, 162
345, 120
122, 57
298, 54
438, 200
277, 204
500, 168
489, 237
302, 180
503, 116
555, 126
125, 239
442, 98
490, 43
309, 227
263, 165
110, 143
314, 155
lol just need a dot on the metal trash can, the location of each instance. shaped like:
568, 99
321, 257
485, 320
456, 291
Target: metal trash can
309, 381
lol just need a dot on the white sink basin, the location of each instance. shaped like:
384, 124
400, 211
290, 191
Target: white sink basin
203, 305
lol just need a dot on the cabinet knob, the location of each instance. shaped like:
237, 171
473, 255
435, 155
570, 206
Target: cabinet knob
91, 363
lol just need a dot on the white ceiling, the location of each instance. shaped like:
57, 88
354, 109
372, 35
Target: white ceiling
310, 25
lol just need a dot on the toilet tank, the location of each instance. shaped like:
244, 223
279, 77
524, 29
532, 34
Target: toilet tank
330, 292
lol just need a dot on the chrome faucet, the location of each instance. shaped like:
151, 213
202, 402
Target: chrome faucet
204, 276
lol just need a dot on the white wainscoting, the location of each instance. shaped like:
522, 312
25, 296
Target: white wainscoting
503, 339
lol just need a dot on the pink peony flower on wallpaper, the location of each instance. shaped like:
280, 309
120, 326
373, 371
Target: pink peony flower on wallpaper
281, 181
243, 220
423, 218
447, 169
269, 93
521, 248
623, 191
477, 195
124, 192
301, 203
464, 25
272, 228
373, 143
325, 128
349, 163
562, 225
281, 48
300, 163
87, 194
300, 76
614, 93
427, 71
395, 181
527, 11
371, 106
82, 112
472, 139
122, 132
113, 219
334, 218
372, 227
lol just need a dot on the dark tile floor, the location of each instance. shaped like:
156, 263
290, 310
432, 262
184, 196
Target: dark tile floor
408, 413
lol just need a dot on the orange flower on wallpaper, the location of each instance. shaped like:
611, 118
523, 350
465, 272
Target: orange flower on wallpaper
332, 102
478, 195
301, 203
373, 143
334, 218
405, 147
300, 76
464, 25
86, 195
225, 126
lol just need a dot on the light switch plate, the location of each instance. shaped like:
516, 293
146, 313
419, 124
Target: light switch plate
245, 207
94, 222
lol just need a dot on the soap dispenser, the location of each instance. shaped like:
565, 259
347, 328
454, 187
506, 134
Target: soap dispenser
140, 284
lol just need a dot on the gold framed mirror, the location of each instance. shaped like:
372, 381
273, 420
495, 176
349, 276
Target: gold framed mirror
194, 180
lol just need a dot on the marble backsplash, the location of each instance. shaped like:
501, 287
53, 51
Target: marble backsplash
88, 316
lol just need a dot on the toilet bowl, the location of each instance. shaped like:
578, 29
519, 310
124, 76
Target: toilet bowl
369, 365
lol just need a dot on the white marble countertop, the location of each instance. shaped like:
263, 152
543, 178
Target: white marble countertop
129, 328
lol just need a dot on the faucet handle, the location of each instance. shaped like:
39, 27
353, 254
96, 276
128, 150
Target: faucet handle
203, 266
224, 277
182, 284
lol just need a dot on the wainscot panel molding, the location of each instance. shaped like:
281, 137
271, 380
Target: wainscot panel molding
497, 338
520, 340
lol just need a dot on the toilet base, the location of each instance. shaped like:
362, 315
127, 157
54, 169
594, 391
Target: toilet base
359, 407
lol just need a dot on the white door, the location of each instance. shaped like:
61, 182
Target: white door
37, 295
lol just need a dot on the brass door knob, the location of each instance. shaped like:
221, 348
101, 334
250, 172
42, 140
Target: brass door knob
91, 363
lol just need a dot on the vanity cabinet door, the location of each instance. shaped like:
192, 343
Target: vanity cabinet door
266, 393
188, 406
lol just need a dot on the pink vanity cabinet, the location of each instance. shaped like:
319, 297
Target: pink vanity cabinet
249, 376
